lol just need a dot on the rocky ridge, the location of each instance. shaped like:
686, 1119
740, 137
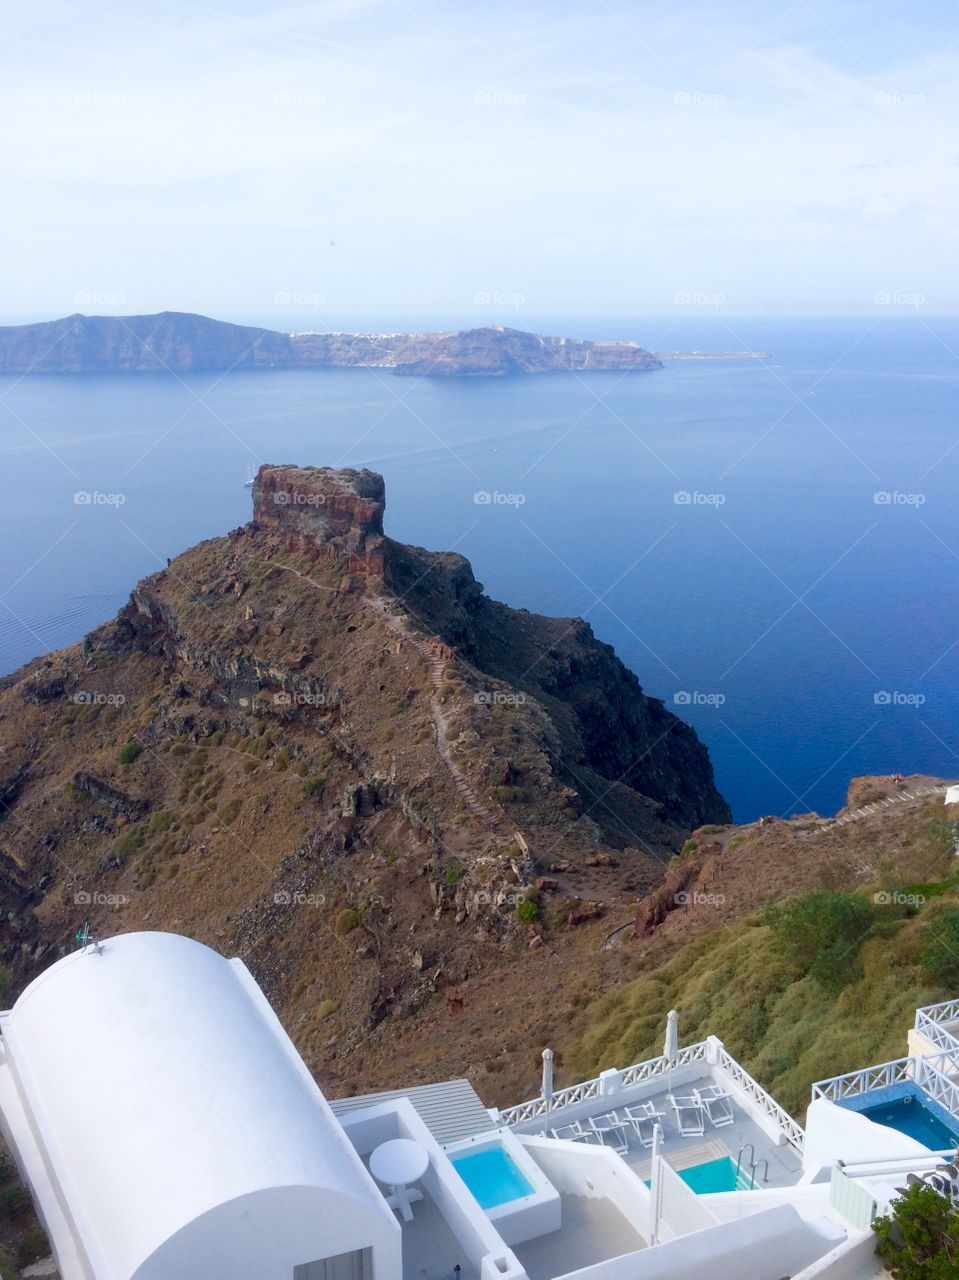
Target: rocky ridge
332, 754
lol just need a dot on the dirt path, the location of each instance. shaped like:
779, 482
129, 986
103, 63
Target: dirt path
437, 662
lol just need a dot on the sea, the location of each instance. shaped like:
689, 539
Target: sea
771, 545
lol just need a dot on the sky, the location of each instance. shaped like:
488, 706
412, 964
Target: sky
482, 160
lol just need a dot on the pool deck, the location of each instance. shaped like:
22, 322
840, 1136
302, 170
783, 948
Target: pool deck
785, 1164
593, 1231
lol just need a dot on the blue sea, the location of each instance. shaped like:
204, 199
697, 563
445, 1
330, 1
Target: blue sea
773, 547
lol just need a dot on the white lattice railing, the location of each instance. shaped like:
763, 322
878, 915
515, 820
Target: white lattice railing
655, 1067
651, 1069
932, 1075
930, 1023
659, 1068
854, 1083
756, 1093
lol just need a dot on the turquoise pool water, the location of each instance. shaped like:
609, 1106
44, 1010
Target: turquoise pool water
492, 1176
909, 1116
715, 1175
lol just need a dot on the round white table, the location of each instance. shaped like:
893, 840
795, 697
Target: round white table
397, 1163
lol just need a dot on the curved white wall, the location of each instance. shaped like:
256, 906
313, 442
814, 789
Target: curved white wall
176, 1114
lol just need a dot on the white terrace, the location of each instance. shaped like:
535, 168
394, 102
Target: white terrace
624, 1209
221, 1157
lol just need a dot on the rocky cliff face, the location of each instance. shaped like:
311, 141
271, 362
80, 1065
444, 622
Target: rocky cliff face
331, 754
180, 342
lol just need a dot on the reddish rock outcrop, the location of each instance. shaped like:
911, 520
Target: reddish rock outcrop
325, 513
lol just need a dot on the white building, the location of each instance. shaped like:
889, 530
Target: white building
168, 1128
169, 1131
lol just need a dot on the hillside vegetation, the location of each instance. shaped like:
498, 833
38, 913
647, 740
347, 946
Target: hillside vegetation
792, 996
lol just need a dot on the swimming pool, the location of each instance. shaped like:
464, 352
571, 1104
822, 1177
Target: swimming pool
909, 1116
715, 1175
492, 1177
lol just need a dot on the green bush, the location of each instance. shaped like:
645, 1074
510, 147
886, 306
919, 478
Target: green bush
452, 876
129, 752
919, 1240
821, 933
313, 786
527, 911
940, 952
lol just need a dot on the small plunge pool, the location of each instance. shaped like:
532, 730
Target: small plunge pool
492, 1176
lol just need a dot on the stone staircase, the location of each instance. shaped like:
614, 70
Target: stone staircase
877, 806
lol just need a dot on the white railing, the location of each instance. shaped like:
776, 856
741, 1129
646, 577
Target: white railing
932, 1075
866, 1081
930, 1023
756, 1093
651, 1069
660, 1068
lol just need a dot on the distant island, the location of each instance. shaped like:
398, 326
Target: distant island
181, 342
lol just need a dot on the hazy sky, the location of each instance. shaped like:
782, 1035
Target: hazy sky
481, 158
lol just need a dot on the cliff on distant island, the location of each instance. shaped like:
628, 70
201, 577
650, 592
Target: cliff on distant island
180, 342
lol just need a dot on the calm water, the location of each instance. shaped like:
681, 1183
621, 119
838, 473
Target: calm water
777, 605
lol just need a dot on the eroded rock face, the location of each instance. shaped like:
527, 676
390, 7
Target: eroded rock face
323, 512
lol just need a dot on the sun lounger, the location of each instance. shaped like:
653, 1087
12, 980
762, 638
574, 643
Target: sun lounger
717, 1104
690, 1116
575, 1133
611, 1131
643, 1117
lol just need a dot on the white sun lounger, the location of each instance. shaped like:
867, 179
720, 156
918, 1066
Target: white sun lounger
575, 1133
611, 1131
690, 1116
643, 1117
717, 1104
